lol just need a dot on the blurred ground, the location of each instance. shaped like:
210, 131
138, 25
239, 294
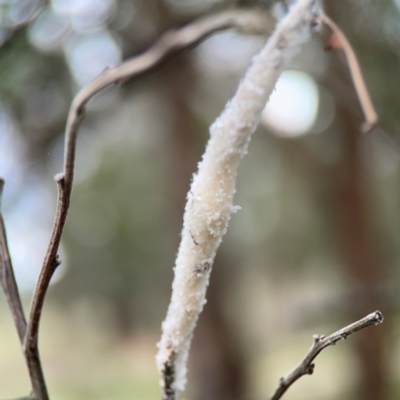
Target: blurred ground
83, 360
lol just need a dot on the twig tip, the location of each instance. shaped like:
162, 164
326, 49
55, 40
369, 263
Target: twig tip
318, 338
367, 126
378, 316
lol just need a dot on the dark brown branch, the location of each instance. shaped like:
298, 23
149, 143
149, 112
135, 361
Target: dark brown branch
306, 366
7, 278
254, 22
10, 289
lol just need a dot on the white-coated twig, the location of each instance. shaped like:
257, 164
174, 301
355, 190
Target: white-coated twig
320, 342
209, 202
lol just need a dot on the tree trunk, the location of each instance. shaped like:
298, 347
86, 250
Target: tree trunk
355, 233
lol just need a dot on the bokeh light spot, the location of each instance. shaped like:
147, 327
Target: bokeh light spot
293, 106
48, 30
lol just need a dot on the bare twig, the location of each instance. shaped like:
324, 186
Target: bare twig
7, 278
254, 22
9, 285
371, 117
306, 366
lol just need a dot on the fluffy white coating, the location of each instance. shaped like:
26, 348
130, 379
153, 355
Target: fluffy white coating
210, 199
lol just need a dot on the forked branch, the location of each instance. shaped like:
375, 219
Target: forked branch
10, 289
306, 366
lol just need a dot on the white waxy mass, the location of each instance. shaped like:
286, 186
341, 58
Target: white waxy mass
210, 199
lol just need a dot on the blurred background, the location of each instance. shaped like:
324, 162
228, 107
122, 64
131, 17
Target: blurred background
315, 246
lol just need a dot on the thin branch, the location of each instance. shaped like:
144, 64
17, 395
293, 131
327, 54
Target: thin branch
210, 199
371, 117
306, 366
7, 277
9, 285
172, 42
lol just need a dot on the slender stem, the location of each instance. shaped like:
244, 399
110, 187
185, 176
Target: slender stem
7, 278
371, 117
306, 366
51, 262
10, 288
